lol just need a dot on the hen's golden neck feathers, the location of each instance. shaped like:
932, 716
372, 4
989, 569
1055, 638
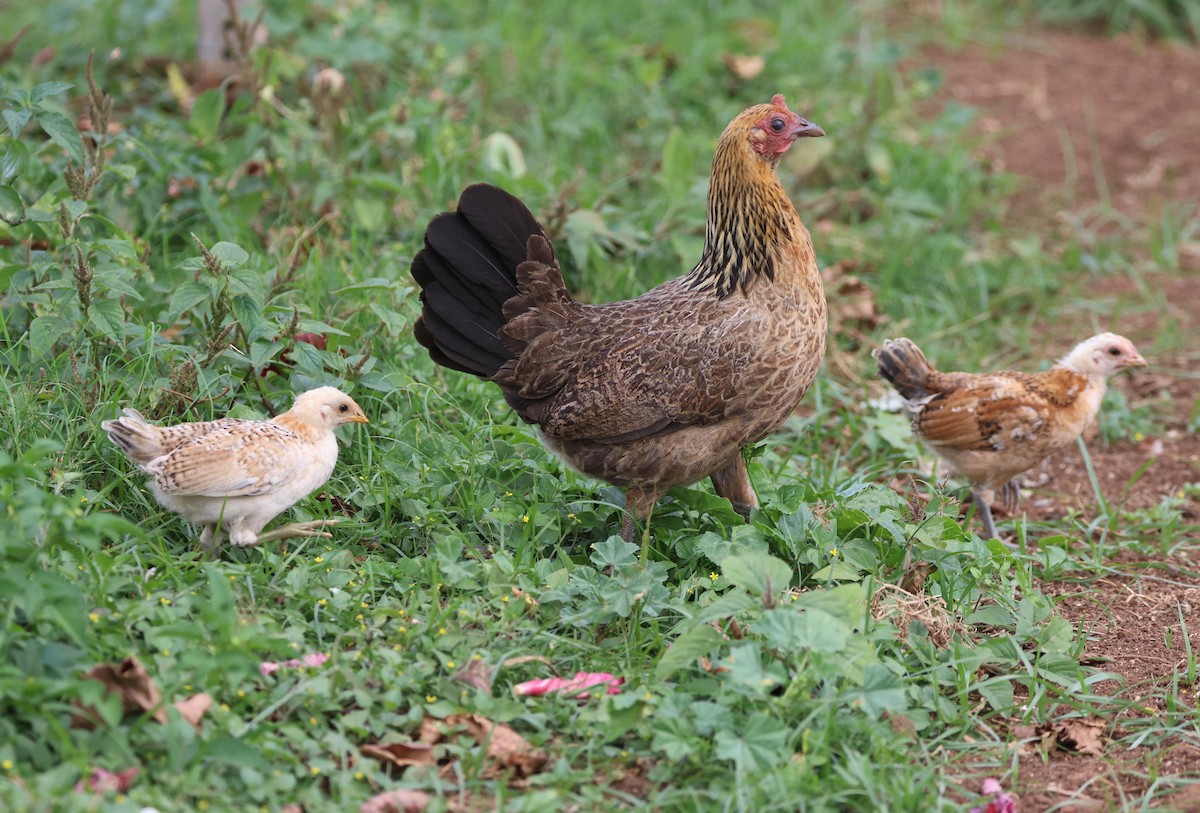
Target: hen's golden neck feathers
749, 214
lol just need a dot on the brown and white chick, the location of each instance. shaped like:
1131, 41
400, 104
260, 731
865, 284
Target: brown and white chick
990, 427
238, 475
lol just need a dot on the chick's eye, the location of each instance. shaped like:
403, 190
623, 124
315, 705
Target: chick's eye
777, 125
1114, 351
344, 408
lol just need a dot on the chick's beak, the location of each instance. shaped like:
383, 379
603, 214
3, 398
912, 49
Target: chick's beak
803, 128
359, 418
1135, 361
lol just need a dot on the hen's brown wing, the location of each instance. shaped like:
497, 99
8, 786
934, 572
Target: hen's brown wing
994, 411
624, 370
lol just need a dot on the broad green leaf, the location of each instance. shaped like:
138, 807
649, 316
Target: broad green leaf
12, 208
247, 310
614, 552
231, 255
62, 132
761, 743
847, 602
45, 331
206, 114
107, 316
758, 573
16, 120
45, 89
998, 692
13, 157
186, 297
696, 643
744, 665
791, 629
881, 691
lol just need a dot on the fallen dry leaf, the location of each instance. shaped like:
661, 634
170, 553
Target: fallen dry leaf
853, 307
744, 66
400, 754
130, 681
397, 801
506, 749
1084, 736
477, 674
193, 708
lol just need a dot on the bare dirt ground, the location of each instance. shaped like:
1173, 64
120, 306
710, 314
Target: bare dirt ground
1108, 131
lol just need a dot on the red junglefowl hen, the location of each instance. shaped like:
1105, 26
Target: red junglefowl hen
653, 392
992, 426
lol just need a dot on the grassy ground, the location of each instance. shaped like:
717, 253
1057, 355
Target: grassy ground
765, 665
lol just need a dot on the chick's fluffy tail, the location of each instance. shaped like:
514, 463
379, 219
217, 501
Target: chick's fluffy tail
467, 271
905, 367
136, 436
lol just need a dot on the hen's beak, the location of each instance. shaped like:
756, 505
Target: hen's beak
803, 128
358, 419
1135, 361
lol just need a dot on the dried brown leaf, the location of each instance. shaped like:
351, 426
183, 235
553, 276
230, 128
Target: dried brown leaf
400, 754
1084, 736
744, 66
506, 749
397, 801
193, 708
477, 674
130, 681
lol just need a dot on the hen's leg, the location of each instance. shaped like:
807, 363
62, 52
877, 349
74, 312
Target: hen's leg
290, 531
210, 539
1010, 495
985, 513
732, 482
639, 502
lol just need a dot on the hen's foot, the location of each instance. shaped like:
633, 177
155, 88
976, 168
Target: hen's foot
296, 529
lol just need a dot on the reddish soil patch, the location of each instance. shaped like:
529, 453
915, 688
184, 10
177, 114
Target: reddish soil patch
1087, 121
1086, 117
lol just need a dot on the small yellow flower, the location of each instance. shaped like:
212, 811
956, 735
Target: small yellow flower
476, 657
363, 604
525, 518
713, 576
164, 601
431, 698
322, 602
241, 692
358, 617
224, 707
570, 516
504, 599
507, 493
358, 775
833, 552
202, 804
7, 764
83, 499
401, 629
94, 618
319, 559
351, 583
450, 664
166, 652
441, 630
293, 645
1138, 437
187, 687
312, 721
314, 770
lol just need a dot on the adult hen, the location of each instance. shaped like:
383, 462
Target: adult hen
992, 426
658, 391
238, 475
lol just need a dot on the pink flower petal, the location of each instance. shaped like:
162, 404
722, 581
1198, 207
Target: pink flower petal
991, 787
268, 667
571, 686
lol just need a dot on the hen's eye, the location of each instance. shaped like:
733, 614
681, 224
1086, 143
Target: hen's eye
777, 125
1114, 351
344, 408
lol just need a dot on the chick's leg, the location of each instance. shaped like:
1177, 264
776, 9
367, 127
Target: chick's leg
732, 482
985, 512
290, 531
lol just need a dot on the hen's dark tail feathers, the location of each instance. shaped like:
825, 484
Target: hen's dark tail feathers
904, 365
467, 271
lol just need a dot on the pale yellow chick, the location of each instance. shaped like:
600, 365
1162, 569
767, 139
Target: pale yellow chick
237, 475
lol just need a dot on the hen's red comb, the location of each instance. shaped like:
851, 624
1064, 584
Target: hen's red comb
779, 101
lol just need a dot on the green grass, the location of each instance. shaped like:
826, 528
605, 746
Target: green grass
461, 538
